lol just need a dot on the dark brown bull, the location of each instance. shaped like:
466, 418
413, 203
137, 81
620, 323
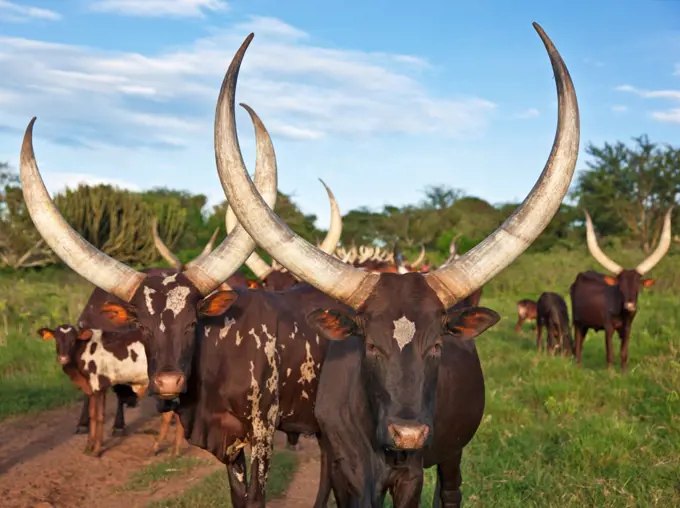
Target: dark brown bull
401, 386
526, 311
552, 313
609, 303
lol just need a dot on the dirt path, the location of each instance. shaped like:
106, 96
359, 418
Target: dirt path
42, 464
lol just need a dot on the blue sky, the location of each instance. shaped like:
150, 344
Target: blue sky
378, 98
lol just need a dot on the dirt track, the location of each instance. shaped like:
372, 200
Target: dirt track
42, 464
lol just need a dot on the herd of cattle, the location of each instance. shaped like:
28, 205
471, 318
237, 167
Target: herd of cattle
370, 355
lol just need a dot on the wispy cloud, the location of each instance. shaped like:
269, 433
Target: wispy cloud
303, 91
618, 108
529, 113
669, 116
159, 8
58, 182
593, 62
651, 94
16, 13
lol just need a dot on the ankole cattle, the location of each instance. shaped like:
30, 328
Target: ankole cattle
526, 311
95, 361
552, 313
609, 302
401, 385
92, 317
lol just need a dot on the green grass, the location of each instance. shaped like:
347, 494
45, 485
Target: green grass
152, 475
213, 491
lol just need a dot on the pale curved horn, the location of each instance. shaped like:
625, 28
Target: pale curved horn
255, 263
163, 249
101, 270
335, 229
480, 264
419, 259
661, 249
595, 251
322, 271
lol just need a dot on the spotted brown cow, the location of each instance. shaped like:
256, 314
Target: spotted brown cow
552, 313
609, 303
401, 385
526, 311
95, 361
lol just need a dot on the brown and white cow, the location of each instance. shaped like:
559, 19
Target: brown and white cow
609, 303
401, 385
95, 361
526, 311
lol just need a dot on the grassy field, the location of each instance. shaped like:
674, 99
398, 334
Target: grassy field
552, 435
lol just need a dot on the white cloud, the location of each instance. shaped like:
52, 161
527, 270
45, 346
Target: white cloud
86, 96
159, 8
618, 108
651, 94
593, 62
58, 182
669, 116
529, 113
14, 12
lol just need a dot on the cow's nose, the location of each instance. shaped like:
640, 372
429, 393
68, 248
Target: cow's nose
168, 385
630, 306
62, 359
410, 436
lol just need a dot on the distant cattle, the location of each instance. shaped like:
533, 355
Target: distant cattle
552, 314
526, 311
401, 386
95, 361
609, 303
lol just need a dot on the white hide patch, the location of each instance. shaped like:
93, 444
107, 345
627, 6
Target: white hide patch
118, 371
147, 298
238, 338
404, 330
228, 321
177, 299
307, 373
169, 279
162, 326
288, 371
258, 343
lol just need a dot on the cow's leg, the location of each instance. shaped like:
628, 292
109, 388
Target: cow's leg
608, 332
92, 428
518, 326
260, 462
449, 478
579, 336
119, 420
292, 439
163, 431
624, 334
179, 436
539, 335
324, 491
406, 488
83, 426
236, 475
99, 419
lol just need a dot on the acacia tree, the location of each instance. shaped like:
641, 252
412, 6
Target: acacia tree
627, 189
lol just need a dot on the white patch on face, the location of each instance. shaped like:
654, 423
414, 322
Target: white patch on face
207, 330
177, 299
288, 371
169, 279
228, 321
404, 330
240, 477
147, 298
304, 395
118, 371
307, 374
258, 343
65, 330
162, 326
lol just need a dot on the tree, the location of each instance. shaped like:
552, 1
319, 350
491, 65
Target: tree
628, 189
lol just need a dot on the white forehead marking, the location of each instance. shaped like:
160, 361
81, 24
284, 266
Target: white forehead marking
404, 330
65, 330
169, 279
177, 299
162, 326
147, 298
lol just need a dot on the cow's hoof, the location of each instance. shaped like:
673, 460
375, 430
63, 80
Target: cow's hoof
116, 432
82, 429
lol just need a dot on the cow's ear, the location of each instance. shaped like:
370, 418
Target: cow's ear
85, 334
46, 333
333, 324
119, 314
470, 322
647, 282
610, 281
217, 303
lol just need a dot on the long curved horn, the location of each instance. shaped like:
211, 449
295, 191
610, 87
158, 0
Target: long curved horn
661, 249
596, 252
419, 259
214, 269
353, 286
255, 263
335, 229
163, 249
480, 264
103, 271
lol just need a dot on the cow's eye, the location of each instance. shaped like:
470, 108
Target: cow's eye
436, 349
371, 348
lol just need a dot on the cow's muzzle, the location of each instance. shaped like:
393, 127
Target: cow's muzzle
168, 385
630, 306
62, 359
408, 435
